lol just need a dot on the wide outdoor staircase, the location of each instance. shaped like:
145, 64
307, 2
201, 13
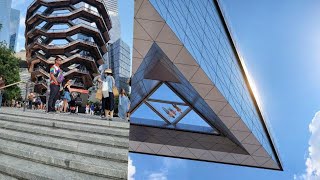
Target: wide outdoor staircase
36, 145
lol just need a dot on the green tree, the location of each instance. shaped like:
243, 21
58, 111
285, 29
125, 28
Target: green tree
9, 69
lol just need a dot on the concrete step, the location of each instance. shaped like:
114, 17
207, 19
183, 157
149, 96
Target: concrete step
24, 169
66, 117
66, 145
98, 129
6, 177
63, 133
90, 165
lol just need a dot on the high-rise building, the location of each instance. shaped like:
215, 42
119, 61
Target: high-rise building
112, 6
115, 32
5, 8
118, 58
120, 63
191, 96
77, 31
14, 28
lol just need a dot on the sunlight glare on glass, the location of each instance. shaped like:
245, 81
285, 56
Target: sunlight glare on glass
252, 85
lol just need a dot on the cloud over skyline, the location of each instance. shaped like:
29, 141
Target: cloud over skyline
131, 169
313, 157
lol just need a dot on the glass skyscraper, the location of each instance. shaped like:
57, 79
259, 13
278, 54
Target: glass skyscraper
118, 57
14, 28
191, 96
5, 11
115, 32
120, 63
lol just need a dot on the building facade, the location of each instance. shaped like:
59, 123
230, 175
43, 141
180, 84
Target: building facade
5, 8
77, 31
191, 97
120, 63
118, 58
24, 73
112, 7
14, 28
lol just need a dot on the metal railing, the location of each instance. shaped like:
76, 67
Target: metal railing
37, 56
75, 11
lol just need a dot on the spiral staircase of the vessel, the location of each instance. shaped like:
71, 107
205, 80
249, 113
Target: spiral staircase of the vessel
75, 30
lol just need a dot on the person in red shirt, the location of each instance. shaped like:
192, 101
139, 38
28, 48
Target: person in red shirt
56, 79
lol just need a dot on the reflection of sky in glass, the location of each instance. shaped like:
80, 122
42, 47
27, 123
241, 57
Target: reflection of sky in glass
59, 42
192, 118
165, 93
144, 112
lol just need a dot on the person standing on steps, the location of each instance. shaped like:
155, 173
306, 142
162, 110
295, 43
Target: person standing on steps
56, 78
66, 97
92, 109
124, 105
108, 83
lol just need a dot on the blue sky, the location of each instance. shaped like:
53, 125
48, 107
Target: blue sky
279, 42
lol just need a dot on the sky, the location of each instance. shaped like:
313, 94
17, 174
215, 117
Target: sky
278, 41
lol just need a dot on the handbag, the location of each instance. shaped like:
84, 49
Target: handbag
99, 94
115, 91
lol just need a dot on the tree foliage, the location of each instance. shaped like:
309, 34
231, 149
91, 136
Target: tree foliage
9, 69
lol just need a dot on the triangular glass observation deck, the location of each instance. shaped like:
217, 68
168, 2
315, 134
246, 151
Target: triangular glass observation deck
164, 108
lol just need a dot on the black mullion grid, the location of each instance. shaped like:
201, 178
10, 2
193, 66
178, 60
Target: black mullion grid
162, 14
219, 29
210, 66
199, 14
194, 21
211, 59
193, 34
243, 87
234, 96
175, 21
193, 14
222, 67
184, 16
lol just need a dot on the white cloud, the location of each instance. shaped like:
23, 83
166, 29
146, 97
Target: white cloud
313, 157
22, 22
21, 42
158, 176
131, 170
17, 3
168, 164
